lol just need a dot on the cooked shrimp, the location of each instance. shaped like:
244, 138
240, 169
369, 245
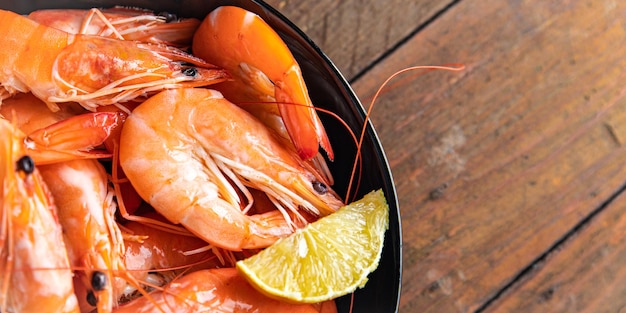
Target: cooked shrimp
121, 23
182, 148
86, 212
161, 256
161, 250
86, 207
36, 274
217, 290
264, 70
91, 70
58, 136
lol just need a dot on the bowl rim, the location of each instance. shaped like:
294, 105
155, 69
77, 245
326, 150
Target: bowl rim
24, 7
390, 190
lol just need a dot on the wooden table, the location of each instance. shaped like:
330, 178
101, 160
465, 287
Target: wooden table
510, 174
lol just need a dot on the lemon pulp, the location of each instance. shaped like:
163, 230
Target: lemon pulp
326, 259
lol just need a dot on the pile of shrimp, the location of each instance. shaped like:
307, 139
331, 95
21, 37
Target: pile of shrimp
143, 155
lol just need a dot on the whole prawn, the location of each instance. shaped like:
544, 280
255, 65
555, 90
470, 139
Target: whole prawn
85, 203
86, 213
36, 274
182, 148
91, 70
121, 23
265, 73
217, 290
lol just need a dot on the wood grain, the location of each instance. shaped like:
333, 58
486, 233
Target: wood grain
498, 167
357, 32
495, 164
585, 274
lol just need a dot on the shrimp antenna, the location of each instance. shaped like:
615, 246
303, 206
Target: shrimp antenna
455, 67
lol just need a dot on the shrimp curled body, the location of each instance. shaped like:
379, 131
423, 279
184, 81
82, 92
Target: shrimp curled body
182, 148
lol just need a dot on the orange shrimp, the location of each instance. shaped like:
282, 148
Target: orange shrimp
60, 67
217, 290
86, 208
35, 275
264, 70
62, 135
121, 23
182, 148
86, 212
161, 256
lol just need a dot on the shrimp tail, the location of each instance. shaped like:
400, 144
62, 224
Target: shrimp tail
73, 138
243, 43
301, 121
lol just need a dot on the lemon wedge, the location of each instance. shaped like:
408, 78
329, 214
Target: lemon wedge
326, 259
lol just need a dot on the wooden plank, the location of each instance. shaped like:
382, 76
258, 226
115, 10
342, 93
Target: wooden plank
355, 33
586, 274
495, 164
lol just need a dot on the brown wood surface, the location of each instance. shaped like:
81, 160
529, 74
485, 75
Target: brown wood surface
510, 174
355, 33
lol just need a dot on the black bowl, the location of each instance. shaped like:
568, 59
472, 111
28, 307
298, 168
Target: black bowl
329, 90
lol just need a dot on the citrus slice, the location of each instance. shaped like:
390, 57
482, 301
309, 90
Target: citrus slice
326, 259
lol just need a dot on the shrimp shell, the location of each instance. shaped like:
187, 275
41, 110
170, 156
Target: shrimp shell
264, 70
93, 71
120, 23
36, 274
217, 290
182, 148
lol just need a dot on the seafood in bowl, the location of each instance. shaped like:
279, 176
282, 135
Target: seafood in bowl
250, 191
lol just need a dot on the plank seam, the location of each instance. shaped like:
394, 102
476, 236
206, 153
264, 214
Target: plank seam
402, 41
537, 263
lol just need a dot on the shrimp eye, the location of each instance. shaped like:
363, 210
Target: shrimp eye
169, 17
91, 298
98, 280
190, 71
26, 164
320, 187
